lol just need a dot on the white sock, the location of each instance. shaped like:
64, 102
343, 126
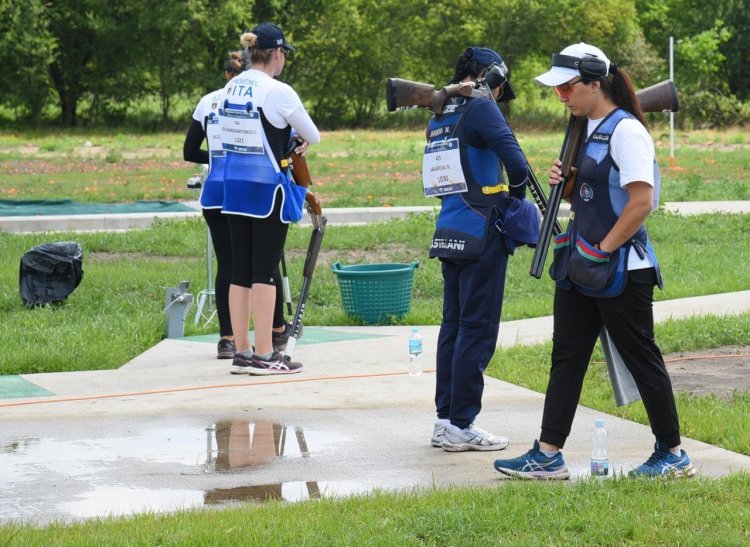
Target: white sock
445, 422
265, 357
677, 451
548, 453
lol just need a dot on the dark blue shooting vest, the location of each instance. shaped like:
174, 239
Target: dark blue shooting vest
464, 219
597, 203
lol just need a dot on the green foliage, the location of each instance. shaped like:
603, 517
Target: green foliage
712, 108
23, 38
105, 60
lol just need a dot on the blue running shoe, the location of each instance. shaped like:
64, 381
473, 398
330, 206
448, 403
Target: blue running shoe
663, 463
534, 465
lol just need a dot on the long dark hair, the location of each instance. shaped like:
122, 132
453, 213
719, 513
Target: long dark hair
621, 91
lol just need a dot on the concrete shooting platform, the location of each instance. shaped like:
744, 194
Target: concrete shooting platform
174, 429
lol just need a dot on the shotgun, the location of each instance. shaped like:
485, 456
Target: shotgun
661, 97
301, 174
406, 94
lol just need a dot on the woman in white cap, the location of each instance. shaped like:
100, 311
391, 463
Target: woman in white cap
605, 268
258, 115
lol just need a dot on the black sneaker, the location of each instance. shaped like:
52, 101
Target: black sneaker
280, 339
242, 362
275, 364
225, 349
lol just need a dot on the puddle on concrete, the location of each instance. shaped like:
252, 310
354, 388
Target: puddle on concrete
286, 491
160, 470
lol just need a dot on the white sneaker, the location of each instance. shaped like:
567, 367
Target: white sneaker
438, 435
471, 438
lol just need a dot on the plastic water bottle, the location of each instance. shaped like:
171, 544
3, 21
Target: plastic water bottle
599, 458
415, 352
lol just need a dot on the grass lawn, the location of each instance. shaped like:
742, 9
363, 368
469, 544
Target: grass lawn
612, 512
350, 168
116, 314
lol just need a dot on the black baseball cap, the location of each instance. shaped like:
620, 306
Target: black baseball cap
270, 37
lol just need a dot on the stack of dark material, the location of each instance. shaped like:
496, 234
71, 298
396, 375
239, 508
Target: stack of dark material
50, 272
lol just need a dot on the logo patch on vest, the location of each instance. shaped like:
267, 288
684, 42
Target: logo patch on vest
599, 137
586, 192
451, 244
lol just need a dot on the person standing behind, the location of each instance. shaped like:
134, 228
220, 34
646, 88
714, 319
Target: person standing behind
605, 268
461, 165
205, 121
258, 115
205, 125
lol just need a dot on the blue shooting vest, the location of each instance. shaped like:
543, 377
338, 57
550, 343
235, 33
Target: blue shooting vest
252, 180
597, 202
462, 225
212, 194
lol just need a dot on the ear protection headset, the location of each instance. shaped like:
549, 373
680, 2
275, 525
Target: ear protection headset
496, 75
590, 67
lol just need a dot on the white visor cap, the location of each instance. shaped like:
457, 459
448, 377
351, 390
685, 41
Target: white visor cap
558, 75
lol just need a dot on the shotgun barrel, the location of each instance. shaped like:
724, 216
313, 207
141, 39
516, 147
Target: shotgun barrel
661, 97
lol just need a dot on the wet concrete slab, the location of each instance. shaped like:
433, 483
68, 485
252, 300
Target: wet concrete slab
173, 429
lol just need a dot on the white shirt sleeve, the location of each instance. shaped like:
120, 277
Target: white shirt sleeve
200, 110
283, 107
632, 149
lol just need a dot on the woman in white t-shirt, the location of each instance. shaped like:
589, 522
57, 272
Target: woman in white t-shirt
256, 119
605, 267
205, 127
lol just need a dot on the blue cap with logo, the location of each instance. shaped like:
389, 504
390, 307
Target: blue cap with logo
270, 37
489, 57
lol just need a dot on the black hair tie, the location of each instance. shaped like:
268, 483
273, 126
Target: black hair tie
612, 68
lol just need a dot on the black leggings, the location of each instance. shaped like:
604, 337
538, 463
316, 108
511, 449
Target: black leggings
257, 244
218, 225
219, 228
630, 322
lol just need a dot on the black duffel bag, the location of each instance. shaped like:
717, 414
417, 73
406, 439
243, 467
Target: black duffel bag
50, 272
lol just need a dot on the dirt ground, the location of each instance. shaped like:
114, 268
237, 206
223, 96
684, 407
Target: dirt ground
718, 371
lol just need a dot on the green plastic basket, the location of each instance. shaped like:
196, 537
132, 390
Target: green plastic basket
375, 293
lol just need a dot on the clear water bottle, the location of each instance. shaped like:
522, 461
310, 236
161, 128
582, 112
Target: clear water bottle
415, 352
599, 458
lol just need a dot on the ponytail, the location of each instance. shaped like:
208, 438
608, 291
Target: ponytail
467, 66
235, 63
251, 54
621, 91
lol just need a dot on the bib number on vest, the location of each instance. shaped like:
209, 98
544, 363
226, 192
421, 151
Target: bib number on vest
442, 173
241, 131
213, 136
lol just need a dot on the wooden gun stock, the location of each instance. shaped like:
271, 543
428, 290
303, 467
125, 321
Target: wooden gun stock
401, 94
301, 174
661, 97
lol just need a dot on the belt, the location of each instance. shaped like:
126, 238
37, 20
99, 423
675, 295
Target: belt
495, 189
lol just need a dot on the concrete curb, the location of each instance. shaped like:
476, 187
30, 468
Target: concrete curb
336, 216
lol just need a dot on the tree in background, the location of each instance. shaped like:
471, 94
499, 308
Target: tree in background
184, 45
106, 60
25, 49
701, 68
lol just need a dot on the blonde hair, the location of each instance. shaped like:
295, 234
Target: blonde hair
251, 53
235, 63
